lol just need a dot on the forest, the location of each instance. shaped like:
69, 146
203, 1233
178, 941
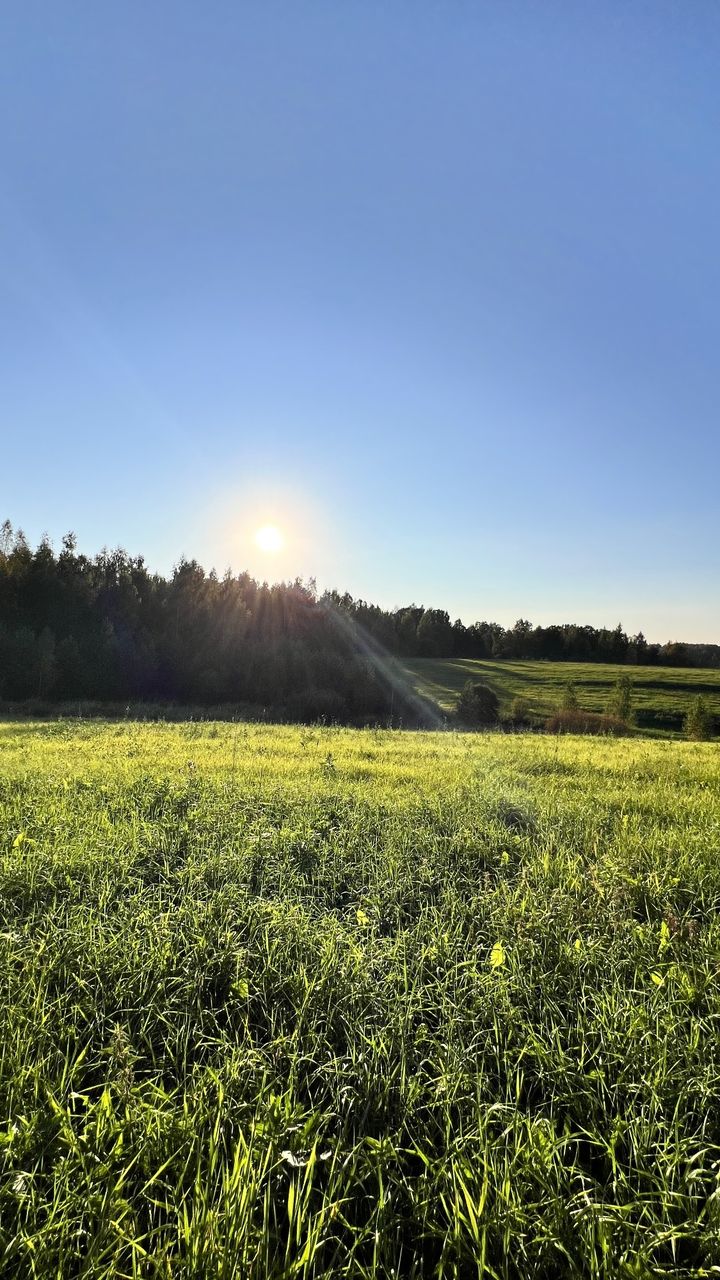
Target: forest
106, 628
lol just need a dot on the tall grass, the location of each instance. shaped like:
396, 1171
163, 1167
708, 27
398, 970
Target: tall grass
291, 1003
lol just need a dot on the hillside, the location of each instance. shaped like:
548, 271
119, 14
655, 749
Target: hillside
661, 695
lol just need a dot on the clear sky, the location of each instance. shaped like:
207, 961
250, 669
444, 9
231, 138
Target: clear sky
434, 287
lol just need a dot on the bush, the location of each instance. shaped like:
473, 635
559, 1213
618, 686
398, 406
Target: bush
698, 722
620, 700
477, 705
519, 713
569, 698
586, 722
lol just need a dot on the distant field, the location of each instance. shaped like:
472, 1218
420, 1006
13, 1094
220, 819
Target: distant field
284, 1003
660, 699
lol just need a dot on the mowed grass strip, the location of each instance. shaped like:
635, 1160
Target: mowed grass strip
281, 1002
661, 695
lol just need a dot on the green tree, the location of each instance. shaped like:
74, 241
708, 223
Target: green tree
68, 668
435, 634
45, 661
620, 700
674, 654
520, 710
698, 723
520, 638
18, 663
637, 651
569, 698
477, 704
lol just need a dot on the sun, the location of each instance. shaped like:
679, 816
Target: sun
269, 538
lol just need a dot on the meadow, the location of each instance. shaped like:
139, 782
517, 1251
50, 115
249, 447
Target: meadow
285, 1002
661, 695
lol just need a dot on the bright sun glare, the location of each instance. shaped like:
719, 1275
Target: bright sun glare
269, 538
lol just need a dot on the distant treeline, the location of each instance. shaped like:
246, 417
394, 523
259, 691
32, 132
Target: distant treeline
107, 628
415, 632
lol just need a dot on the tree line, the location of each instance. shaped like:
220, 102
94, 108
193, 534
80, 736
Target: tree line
416, 632
106, 628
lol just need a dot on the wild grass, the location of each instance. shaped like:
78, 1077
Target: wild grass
661, 696
294, 1003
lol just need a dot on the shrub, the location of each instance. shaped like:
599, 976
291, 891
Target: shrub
519, 713
569, 698
586, 722
698, 722
477, 704
620, 700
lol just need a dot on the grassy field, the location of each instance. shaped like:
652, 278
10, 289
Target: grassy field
661, 695
289, 1003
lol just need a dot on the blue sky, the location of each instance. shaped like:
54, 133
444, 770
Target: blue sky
432, 286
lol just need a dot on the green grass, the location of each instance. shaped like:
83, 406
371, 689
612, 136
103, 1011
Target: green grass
292, 1003
661, 695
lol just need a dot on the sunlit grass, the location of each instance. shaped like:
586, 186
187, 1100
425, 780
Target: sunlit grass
291, 1002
